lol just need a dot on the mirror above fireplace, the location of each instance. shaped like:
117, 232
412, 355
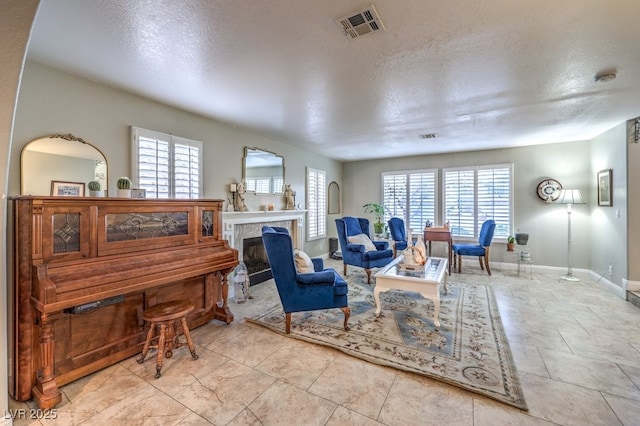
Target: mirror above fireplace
263, 171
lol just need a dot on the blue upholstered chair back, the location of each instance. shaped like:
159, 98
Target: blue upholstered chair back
279, 248
486, 232
397, 230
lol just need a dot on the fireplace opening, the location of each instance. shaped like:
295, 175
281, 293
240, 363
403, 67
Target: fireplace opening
255, 257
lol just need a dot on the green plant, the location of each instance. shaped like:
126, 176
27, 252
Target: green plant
511, 239
94, 185
124, 183
378, 210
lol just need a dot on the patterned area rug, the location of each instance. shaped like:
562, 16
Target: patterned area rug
470, 350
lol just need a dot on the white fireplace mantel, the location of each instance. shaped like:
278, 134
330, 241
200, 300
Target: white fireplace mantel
231, 221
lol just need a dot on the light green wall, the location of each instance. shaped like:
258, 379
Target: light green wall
51, 102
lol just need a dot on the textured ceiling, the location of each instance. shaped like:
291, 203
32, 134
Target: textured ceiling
480, 75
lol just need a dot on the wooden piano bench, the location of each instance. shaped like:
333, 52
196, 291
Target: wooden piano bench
171, 320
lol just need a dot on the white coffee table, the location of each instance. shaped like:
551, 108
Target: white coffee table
426, 281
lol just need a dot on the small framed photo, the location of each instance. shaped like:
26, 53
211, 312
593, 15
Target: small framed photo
138, 193
67, 189
604, 188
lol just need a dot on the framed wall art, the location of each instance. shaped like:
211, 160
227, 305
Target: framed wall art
67, 189
605, 195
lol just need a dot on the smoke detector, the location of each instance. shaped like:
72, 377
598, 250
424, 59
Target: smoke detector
360, 23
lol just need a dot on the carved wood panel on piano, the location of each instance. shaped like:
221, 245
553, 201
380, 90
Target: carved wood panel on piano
85, 271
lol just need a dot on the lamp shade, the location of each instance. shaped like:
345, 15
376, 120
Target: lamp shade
570, 196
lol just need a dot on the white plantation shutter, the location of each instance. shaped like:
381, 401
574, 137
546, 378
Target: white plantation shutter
278, 185
394, 194
411, 196
166, 166
475, 194
316, 204
186, 169
494, 199
422, 200
153, 162
459, 196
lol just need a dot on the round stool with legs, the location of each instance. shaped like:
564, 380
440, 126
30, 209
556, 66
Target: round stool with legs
171, 320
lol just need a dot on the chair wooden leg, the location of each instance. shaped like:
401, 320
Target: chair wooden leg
480, 261
344, 272
347, 313
368, 271
287, 322
459, 263
486, 263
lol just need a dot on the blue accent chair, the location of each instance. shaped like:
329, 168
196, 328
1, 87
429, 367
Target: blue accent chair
355, 254
398, 234
322, 289
481, 250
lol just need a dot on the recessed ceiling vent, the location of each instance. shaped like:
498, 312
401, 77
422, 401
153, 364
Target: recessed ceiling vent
360, 23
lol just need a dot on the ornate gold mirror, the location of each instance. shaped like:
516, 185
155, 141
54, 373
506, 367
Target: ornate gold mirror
60, 158
263, 171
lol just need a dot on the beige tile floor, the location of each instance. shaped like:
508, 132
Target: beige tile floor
576, 347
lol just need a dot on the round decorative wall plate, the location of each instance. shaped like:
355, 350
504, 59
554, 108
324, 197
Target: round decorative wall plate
549, 190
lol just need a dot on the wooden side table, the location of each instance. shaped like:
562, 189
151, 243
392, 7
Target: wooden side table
439, 234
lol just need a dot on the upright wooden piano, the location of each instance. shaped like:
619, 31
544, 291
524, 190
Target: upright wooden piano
86, 268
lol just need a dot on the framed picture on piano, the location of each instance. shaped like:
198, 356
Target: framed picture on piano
67, 189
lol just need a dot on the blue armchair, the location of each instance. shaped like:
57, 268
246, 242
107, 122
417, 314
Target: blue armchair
398, 234
481, 249
355, 253
322, 289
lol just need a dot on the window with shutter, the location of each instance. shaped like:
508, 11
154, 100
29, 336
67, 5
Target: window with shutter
475, 194
410, 195
167, 166
316, 204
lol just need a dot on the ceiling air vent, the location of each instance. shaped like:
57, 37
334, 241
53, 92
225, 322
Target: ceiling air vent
360, 23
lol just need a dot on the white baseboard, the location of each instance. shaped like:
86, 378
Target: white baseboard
611, 286
628, 285
7, 421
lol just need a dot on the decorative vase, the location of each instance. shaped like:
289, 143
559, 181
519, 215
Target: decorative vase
99, 193
421, 248
510, 246
124, 193
378, 227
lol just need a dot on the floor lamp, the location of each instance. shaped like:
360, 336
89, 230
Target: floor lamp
569, 197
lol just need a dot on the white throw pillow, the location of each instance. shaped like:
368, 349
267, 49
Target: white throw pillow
362, 239
304, 265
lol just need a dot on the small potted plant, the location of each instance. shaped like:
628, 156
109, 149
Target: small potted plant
511, 242
95, 189
124, 187
378, 211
